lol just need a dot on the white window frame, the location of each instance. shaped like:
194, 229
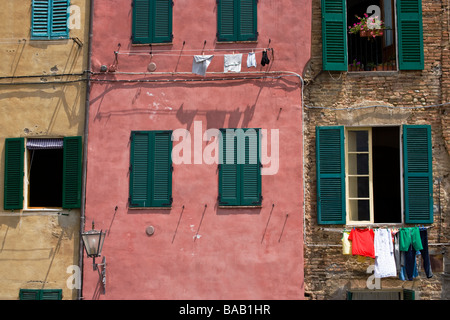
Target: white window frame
371, 199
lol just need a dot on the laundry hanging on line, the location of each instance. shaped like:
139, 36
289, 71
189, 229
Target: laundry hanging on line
394, 250
232, 62
200, 63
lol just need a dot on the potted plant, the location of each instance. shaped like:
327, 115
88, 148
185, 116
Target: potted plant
369, 27
371, 66
355, 66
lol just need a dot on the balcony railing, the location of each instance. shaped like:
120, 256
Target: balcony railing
372, 54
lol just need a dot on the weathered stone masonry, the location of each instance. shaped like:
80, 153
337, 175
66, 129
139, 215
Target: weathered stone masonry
379, 98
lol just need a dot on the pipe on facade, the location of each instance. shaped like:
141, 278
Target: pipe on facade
85, 149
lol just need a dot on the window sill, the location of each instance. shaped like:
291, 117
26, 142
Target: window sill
152, 44
150, 208
240, 207
43, 209
373, 73
48, 39
231, 42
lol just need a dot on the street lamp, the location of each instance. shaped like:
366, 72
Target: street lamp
93, 243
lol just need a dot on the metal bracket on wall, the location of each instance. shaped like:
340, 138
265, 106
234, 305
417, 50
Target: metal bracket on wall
102, 273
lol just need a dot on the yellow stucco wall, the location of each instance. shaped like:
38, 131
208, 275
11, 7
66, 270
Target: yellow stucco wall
38, 246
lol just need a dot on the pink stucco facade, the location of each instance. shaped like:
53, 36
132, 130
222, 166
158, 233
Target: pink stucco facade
198, 250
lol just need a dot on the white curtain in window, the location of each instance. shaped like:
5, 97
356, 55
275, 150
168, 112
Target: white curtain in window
42, 144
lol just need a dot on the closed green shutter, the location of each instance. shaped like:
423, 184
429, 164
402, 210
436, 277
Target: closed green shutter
331, 208
247, 21
51, 294
409, 294
225, 20
40, 18
237, 20
240, 173
152, 21
162, 169
71, 190
14, 171
162, 21
151, 169
334, 35
229, 173
49, 19
251, 170
59, 27
410, 35
418, 176
139, 170
40, 294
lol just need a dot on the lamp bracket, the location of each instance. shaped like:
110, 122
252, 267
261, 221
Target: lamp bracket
102, 273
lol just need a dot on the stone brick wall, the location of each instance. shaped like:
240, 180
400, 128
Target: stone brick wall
378, 98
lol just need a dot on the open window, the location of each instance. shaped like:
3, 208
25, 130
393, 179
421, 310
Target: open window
377, 51
374, 175
42, 173
404, 40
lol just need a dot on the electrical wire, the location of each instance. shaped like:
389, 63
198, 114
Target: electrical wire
378, 106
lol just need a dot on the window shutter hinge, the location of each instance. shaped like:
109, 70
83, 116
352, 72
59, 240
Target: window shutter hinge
170, 202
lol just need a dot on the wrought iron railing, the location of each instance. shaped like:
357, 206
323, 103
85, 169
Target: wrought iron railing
372, 53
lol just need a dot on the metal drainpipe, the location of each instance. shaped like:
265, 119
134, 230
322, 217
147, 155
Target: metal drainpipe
85, 148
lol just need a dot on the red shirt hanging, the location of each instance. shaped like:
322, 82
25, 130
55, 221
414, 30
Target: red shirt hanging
362, 242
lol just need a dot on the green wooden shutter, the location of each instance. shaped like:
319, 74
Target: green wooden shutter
40, 294
418, 176
226, 24
51, 294
14, 171
71, 190
59, 27
139, 170
331, 208
40, 18
49, 19
151, 169
410, 35
161, 169
240, 173
229, 172
152, 21
409, 294
334, 35
247, 20
29, 294
142, 31
251, 170
162, 21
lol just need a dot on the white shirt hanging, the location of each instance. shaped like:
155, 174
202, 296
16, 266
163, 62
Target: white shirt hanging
384, 254
232, 62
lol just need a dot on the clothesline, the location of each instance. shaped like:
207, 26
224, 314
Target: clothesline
201, 50
146, 53
370, 227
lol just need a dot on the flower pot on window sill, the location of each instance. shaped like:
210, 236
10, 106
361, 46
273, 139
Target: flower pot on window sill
354, 68
368, 34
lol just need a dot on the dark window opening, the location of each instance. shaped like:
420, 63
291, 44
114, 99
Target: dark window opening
370, 54
386, 174
45, 178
